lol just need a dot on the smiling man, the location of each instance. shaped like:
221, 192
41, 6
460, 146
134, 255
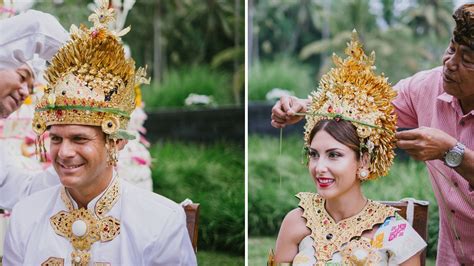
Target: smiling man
93, 217
439, 105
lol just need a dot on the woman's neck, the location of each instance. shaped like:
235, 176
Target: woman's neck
346, 206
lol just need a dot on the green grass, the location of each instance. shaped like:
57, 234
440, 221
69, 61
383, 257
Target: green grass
215, 258
213, 176
178, 84
275, 178
283, 73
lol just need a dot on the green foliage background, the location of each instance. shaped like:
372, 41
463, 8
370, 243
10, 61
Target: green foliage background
406, 37
178, 84
212, 175
284, 73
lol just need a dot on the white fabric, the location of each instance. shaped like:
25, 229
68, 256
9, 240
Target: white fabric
27, 34
152, 232
17, 183
395, 241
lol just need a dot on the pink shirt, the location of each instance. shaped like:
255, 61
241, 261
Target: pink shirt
421, 101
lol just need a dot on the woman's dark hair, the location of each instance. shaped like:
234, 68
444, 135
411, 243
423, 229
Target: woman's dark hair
342, 131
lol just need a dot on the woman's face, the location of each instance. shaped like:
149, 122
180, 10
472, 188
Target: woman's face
333, 166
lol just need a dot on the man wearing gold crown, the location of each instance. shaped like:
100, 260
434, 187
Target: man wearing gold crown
36, 33
439, 103
93, 217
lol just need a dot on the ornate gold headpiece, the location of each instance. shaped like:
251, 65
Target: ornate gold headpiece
353, 92
90, 82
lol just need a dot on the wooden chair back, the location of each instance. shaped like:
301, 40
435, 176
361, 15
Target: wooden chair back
420, 219
192, 222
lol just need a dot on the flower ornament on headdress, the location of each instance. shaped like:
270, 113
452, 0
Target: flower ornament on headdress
90, 82
353, 92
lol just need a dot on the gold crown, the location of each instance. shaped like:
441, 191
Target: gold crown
90, 82
353, 92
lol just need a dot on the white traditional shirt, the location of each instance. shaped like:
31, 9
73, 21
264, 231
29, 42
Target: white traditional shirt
134, 227
17, 183
394, 241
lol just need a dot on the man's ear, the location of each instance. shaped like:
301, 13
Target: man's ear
121, 143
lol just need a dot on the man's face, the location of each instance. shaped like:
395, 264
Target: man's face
79, 156
14, 88
458, 72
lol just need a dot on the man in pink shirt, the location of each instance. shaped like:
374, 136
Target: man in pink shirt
439, 105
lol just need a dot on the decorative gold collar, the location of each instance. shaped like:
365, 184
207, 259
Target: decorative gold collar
83, 227
329, 236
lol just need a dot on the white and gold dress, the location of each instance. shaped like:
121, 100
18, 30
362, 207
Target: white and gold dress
343, 243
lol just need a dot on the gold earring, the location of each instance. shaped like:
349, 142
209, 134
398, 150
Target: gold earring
112, 152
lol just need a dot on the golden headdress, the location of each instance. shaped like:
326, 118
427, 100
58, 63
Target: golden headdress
353, 92
90, 82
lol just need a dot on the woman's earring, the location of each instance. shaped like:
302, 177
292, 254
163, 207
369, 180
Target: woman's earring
363, 174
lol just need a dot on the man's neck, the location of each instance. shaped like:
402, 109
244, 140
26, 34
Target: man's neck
82, 196
467, 105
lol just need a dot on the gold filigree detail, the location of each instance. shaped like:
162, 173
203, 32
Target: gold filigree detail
352, 91
53, 261
96, 227
80, 258
329, 236
108, 199
359, 252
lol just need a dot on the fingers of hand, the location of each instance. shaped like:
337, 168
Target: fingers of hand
277, 124
408, 134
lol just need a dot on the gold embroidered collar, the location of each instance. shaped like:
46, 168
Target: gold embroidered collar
329, 236
83, 227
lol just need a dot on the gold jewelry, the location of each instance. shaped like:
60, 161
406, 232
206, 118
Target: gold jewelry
90, 82
353, 92
329, 236
363, 174
82, 227
112, 151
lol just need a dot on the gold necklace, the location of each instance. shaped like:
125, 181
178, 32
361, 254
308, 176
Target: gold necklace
82, 227
329, 236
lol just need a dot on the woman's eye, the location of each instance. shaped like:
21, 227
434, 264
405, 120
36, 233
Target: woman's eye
55, 139
312, 154
334, 155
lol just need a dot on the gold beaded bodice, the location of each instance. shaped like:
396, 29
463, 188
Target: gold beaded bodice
329, 236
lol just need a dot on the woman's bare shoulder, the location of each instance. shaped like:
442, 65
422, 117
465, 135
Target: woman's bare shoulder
295, 225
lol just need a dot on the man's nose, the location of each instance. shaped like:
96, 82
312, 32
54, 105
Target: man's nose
452, 61
24, 91
66, 150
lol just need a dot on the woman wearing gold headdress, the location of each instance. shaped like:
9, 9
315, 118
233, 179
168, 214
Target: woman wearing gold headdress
349, 136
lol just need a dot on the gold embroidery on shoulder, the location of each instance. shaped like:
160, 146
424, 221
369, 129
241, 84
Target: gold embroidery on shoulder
53, 261
329, 236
